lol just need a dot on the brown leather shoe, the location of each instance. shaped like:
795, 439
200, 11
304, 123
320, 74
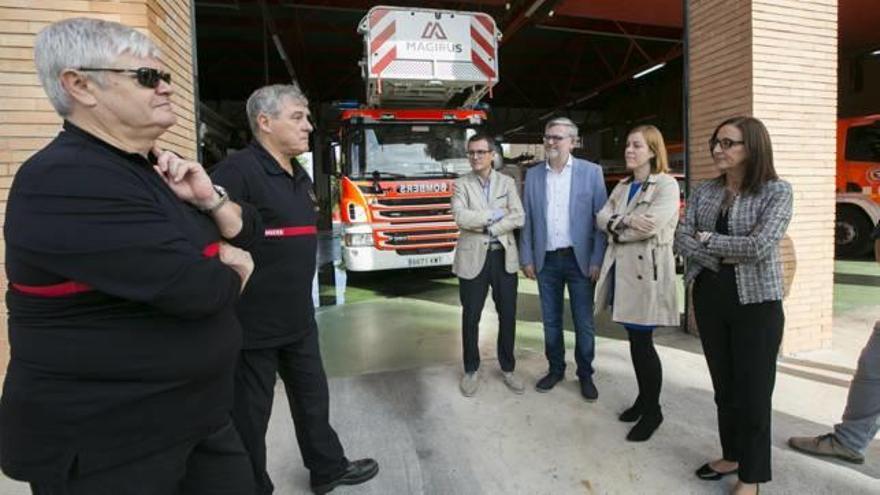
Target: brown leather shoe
827, 446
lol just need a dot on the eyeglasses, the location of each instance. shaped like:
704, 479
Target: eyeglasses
553, 138
725, 143
478, 153
147, 77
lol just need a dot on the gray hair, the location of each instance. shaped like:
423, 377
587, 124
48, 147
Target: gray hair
83, 42
566, 122
267, 100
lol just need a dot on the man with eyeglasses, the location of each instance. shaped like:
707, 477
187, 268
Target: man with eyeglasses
123, 282
560, 246
487, 210
276, 310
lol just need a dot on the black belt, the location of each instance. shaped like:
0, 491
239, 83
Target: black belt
566, 251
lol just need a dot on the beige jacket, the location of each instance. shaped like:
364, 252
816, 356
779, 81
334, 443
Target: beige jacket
473, 215
644, 279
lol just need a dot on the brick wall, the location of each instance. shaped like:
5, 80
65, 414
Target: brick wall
27, 120
777, 60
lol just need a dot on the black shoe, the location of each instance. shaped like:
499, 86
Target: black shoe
548, 382
645, 427
707, 473
632, 414
356, 473
588, 390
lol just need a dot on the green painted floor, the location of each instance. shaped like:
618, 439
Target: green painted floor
407, 319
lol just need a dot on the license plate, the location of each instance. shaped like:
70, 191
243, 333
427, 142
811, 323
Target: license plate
429, 261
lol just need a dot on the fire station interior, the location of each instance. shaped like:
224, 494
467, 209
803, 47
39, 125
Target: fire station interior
391, 338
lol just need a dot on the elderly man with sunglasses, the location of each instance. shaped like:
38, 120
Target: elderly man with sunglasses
123, 279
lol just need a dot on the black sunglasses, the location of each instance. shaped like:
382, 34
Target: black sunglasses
145, 76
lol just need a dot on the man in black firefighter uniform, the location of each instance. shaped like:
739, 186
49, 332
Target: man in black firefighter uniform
276, 309
123, 333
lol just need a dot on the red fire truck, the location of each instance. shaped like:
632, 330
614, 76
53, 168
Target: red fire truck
426, 71
858, 184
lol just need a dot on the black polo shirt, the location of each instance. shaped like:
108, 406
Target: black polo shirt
276, 306
121, 317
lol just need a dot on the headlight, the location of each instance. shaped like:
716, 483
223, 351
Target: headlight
356, 213
357, 240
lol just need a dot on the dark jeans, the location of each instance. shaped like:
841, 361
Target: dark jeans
473, 297
649, 372
740, 342
300, 367
561, 269
215, 465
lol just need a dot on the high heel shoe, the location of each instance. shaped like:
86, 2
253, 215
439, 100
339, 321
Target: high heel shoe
707, 473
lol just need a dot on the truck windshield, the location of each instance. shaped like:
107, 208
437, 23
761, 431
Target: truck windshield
863, 143
404, 151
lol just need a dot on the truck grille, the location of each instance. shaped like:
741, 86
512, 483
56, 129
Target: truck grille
414, 225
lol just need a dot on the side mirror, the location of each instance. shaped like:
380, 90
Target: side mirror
331, 164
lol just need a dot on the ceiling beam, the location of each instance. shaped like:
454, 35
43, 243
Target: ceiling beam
672, 54
529, 12
614, 29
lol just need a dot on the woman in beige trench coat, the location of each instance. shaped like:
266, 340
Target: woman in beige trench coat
637, 281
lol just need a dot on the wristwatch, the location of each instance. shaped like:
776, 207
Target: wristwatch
223, 198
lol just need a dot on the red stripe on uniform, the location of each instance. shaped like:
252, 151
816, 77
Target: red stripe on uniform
291, 231
55, 290
211, 250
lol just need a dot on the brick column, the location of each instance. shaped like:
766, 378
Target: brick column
777, 60
27, 120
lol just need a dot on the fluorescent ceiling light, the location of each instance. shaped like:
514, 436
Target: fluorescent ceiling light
649, 70
876, 53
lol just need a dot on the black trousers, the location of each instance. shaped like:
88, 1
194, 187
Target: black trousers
741, 343
473, 296
215, 465
300, 367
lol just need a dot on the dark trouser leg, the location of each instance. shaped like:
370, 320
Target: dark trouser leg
649, 372
254, 393
219, 465
580, 298
710, 310
472, 294
302, 371
756, 335
504, 294
551, 287
215, 465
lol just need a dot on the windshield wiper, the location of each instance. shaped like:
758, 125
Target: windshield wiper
377, 174
440, 173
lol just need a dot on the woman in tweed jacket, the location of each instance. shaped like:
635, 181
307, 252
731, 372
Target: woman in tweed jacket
730, 238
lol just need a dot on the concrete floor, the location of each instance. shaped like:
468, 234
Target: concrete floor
393, 353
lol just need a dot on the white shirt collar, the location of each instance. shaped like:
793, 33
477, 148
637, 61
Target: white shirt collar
568, 163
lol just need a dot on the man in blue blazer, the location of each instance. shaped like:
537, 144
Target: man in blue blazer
560, 245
